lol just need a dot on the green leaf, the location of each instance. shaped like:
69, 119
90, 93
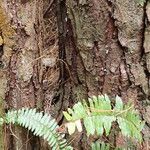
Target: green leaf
1, 121
89, 125
100, 146
119, 104
141, 2
108, 123
67, 115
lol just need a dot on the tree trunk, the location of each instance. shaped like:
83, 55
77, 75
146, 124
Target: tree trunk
54, 53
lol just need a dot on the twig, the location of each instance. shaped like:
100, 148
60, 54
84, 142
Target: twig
48, 8
12, 133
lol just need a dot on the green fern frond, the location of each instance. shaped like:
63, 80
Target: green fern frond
41, 125
97, 115
102, 146
140, 2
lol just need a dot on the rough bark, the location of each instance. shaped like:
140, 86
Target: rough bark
54, 53
106, 54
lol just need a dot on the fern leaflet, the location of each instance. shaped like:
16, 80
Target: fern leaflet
102, 146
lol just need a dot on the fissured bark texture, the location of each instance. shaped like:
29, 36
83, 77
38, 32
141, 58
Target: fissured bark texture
57, 52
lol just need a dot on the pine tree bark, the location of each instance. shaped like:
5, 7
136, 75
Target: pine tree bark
56, 52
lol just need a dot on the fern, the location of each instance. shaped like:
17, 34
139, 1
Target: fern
102, 146
98, 116
98, 146
41, 125
141, 2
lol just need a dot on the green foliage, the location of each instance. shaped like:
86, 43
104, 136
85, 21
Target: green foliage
41, 125
141, 2
98, 146
102, 146
98, 115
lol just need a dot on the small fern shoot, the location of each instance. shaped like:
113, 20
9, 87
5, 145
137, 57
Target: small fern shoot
97, 115
141, 2
102, 146
41, 125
